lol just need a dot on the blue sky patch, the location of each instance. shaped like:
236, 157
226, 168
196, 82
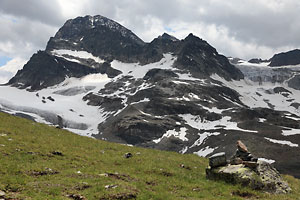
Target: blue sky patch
169, 29
4, 60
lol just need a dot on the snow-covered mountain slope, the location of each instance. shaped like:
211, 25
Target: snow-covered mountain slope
61, 104
170, 94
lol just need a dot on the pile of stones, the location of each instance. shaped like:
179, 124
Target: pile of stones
243, 168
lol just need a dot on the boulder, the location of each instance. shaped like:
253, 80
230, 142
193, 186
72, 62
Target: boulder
246, 170
265, 177
217, 160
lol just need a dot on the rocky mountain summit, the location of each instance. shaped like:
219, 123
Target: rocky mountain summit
98, 79
105, 41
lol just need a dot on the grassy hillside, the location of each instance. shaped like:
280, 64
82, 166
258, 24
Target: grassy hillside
31, 168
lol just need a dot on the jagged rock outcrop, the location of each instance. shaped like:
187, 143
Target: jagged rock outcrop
245, 170
201, 59
257, 60
286, 58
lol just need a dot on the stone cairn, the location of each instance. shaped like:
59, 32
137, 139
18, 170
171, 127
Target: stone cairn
243, 168
243, 156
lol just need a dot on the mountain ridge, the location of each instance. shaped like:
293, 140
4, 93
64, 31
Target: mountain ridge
169, 94
108, 40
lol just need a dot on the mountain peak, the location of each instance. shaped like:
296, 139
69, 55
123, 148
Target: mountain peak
168, 37
192, 37
80, 24
93, 33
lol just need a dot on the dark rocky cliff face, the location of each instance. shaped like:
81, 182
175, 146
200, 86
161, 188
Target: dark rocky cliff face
201, 59
286, 58
44, 70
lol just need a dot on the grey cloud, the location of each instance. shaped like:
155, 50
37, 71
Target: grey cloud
24, 37
273, 24
263, 27
258, 23
44, 11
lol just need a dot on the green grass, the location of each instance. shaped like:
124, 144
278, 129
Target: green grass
26, 152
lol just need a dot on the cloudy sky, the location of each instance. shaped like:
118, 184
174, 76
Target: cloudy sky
238, 28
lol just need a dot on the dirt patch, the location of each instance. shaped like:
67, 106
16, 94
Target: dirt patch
122, 177
243, 194
76, 197
167, 174
82, 187
151, 183
120, 196
45, 172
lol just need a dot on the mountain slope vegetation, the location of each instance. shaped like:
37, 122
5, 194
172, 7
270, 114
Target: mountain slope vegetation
43, 162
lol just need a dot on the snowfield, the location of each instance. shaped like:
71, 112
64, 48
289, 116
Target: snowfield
255, 95
78, 116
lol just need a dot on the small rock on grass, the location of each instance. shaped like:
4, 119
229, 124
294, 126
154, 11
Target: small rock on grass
76, 197
111, 186
2, 194
57, 153
128, 155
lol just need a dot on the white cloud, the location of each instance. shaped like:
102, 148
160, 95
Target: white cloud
10, 69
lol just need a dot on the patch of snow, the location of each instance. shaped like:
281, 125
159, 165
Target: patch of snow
270, 161
180, 82
90, 79
139, 71
147, 114
76, 54
194, 96
205, 151
184, 150
261, 120
203, 137
141, 101
180, 98
294, 118
184, 76
214, 109
290, 132
197, 123
218, 154
180, 135
284, 142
